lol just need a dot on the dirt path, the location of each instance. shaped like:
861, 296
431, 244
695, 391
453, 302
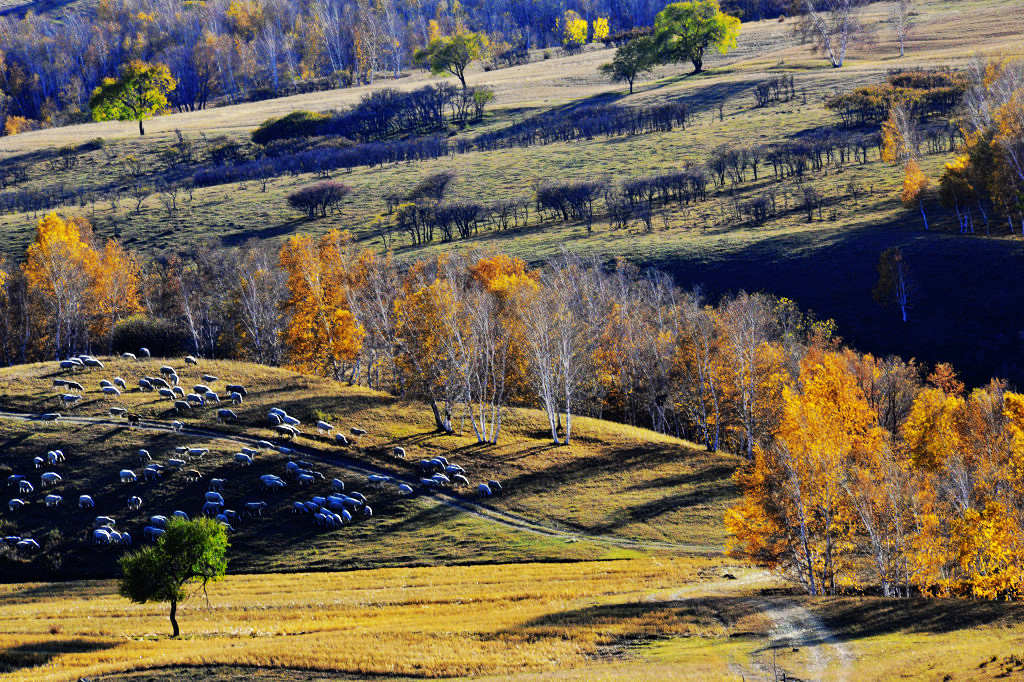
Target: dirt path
346, 463
797, 628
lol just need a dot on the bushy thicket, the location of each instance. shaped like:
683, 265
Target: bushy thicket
162, 337
924, 94
319, 198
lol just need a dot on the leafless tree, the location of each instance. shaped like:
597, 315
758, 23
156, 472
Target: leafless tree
833, 26
902, 16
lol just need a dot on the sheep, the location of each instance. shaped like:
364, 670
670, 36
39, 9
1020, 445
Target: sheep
144, 352
119, 382
133, 419
274, 419
105, 383
398, 452
494, 486
428, 483
15, 504
157, 381
178, 392
50, 416
92, 362
211, 508
128, 476
13, 479
483, 490
226, 415
28, 545
236, 388
356, 431
38, 462
200, 388
252, 452
50, 479
441, 459
453, 469
117, 412
255, 508
305, 479
192, 475
243, 460
191, 360
166, 393
272, 482
175, 464
460, 481
129, 356
236, 398
134, 503
158, 521
265, 444
101, 521
145, 385
69, 399
337, 484
100, 536
126, 538
209, 378
111, 390
217, 484
358, 497
426, 466
74, 386
70, 365
441, 479
366, 511
197, 453
377, 480
340, 439
276, 410
173, 378
286, 430
324, 427
180, 515
195, 398
55, 457
86, 502
404, 489
151, 533
152, 472
210, 395
166, 370
57, 383
177, 426
180, 405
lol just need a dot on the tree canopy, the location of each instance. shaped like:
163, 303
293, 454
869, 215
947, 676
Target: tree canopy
139, 91
631, 60
685, 30
188, 552
452, 54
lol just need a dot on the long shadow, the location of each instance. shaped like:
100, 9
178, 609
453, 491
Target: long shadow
40, 653
278, 230
707, 475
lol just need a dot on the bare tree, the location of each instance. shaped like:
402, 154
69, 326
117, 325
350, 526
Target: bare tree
901, 16
261, 292
833, 26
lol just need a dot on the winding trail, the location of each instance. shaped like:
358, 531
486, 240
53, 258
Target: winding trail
350, 465
796, 627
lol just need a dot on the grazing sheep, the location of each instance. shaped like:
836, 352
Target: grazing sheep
429, 483
57, 383
144, 456
55, 457
398, 452
442, 479
197, 453
69, 399
177, 426
13, 479
305, 479
404, 489
209, 378
213, 496
50, 416
111, 390
359, 497
157, 381
166, 393
192, 475
377, 481
167, 370
144, 352
100, 536
453, 469
105, 383
50, 479
355, 431
180, 515
86, 502
145, 385
210, 395
119, 382
460, 481
265, 444
286, 430
133, 419
15, 504
128, 476
101, 521
243, 460
191, 360
173, 378
494, 486
236, 398
117, 412
74, 386
272, 482
252, 452
236, 388
181, 405
152, 472
217, 484
200, 388
28, 545
92, 362
151, 533
483, 490
38, 462
129, 356
70, 365
276, 410
338, 485
175, 464
340, 439
158, 521
197, 399
211, 508
366, 511
134, 503
226, 415
324, 427
255, 508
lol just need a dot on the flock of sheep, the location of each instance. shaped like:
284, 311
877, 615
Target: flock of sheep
334, 509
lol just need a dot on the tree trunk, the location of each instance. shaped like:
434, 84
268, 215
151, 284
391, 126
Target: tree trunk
174, 621
442, 424
923, 216
142, 131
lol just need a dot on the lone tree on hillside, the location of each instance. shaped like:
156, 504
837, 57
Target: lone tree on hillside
684, 31
833, 26
139, 91
188, 552
901, 16
631, 61
894, 285
452, 54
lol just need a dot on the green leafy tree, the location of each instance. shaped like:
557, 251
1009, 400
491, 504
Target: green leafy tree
452, 54
139, 91
631, 60
188, 552
685, 30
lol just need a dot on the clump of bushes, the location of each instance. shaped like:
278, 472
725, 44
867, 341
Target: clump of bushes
162, 337
317, 199
924, 94
295, 124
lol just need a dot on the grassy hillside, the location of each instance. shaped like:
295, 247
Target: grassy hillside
613, 481
827, 264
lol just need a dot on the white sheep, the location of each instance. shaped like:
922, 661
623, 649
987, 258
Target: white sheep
398, 452
111, 390
356, 431
194, 398
50, 479
119, 382
340, 439
175, 463
404, 489
86, 502
324, 427
236, 398
209, 378
70, 399
191, 360
134, 503
15, 504
217, 484
128, 476
243, 459
177, 426
129, 356
166, 393
166, 370
226, 415
117, 412
144, 352
338, 485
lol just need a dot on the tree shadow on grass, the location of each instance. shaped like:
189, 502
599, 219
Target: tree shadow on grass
36, 654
